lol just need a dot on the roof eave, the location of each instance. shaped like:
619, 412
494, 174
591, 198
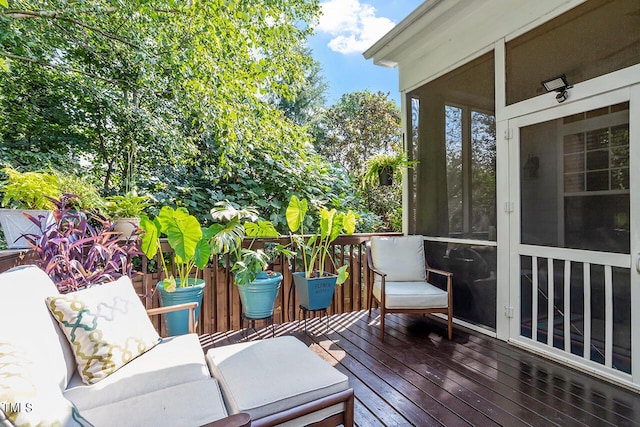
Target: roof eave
388, 39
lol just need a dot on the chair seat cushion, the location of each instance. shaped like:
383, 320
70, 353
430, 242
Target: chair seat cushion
269, 376
412, 295
194, 403
174, 361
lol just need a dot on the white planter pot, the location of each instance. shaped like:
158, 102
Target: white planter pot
125, 226
15, 224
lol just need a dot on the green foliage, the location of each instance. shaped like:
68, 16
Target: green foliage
359, 125
230, 231
133, 85
128, 205
316, 248
189, 102
87, 196
379, 162
191, 248
29, 190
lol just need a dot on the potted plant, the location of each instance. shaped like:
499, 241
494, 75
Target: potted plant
314, 285
258, 287
125, 210
381, 168
86, 197
191, 252
76, 251
30, 192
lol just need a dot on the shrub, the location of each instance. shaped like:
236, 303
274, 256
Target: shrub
77, 254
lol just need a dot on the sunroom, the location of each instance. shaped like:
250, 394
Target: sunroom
524, 119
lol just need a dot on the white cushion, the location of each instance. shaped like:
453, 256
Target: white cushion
184, 405
401, 258
27, 397
412, 295
106, 325
174, 361
268, 376
26, 321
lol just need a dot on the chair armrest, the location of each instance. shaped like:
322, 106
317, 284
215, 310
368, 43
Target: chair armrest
191, 306
378, 272
440, 272
238, 420
446, 274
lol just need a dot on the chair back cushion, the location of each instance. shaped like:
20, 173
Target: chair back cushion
27, 396
26, 321
400, 257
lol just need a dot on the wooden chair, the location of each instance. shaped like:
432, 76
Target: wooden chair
400, 282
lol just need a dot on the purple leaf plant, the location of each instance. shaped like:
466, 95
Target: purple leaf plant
77, 251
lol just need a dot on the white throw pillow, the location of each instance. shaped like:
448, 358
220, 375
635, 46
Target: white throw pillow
28, 398
400, 257
107, 326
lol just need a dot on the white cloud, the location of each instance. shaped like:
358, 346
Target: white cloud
354, 26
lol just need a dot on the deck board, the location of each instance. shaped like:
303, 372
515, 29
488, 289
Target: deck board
418, 378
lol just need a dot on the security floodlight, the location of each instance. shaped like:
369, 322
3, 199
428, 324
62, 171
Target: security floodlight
558, 84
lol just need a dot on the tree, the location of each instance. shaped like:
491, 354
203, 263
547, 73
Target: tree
192, 102
358, 126
151, 78
307, 104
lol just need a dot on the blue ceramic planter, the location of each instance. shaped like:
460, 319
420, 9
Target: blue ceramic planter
177, 322
259, 296
315, 293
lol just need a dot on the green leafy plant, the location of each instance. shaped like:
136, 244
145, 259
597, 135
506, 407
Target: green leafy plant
378, 163
188, 239
87, 197
128, 205
30, 190
229, 234
317, 247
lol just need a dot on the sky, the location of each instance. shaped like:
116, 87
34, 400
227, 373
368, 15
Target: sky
345, 30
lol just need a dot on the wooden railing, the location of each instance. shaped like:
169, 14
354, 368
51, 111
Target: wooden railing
221, 309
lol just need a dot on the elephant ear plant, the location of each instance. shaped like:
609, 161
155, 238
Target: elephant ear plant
189, 241
317, 247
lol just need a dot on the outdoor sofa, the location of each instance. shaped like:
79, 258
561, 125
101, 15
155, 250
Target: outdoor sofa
100, 379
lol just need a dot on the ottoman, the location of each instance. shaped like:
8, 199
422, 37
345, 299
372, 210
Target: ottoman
280, 381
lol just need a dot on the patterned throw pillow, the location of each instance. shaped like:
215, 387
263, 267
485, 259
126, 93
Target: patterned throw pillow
26, 398
106, 325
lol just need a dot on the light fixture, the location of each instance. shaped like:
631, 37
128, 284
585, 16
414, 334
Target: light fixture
558, 84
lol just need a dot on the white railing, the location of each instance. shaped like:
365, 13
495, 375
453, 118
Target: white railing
567, 257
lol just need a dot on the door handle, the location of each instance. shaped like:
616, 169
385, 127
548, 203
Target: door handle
638, 263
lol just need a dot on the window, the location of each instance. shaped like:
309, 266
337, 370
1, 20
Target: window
579, 197
452, 191
471, 166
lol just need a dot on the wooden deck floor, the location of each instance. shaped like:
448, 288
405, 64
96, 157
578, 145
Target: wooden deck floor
418, 378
